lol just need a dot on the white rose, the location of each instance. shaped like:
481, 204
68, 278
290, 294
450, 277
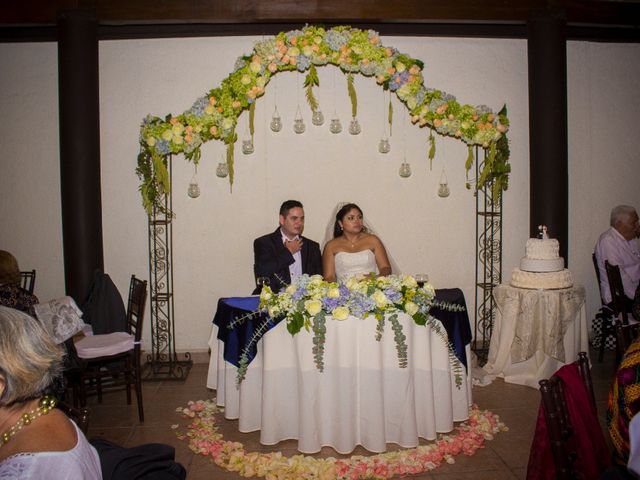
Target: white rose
340, 313
411, 308
313, 306
380, 298
333, 293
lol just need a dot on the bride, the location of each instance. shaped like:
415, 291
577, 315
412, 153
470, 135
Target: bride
353, 251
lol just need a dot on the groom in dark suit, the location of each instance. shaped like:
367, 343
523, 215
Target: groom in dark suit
285, 253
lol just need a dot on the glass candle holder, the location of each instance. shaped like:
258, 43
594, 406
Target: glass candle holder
247, 146
194, 189
354, 127
276, 122
384, 146
299, 126
335, 126
222, 170
317, 118
405, 170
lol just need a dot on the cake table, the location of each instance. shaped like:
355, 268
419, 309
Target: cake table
535, 333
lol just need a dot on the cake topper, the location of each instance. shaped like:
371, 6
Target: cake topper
542, 232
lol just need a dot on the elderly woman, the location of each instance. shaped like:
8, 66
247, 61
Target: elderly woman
36, 439
11, 294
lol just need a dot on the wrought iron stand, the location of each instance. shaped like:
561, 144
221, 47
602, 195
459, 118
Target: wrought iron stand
163, 363
488, 263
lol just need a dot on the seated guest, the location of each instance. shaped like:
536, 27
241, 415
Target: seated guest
284, 254
37, 440
618, 245
12, 295
624, 401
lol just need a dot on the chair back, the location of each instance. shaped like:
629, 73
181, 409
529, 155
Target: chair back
28, 280
625, 336
135, 307
79, 415
617, 291
595, 266
559, 427
558, 421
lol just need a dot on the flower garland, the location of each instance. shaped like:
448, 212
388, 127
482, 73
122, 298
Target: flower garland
205, 439
309, 300
214, 116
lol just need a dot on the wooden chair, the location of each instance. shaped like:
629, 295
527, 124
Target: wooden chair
106, 362
79, 415
617, 292
625, 336
605, 314
557, 418
28, 280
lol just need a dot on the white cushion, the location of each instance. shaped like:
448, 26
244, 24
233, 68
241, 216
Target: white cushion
104, 345
61, 317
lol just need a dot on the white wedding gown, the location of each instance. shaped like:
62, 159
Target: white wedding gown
354, 264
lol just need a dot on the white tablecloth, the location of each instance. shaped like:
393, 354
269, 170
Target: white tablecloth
361, 398
535, 333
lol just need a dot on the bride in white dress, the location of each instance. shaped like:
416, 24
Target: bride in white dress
353, 251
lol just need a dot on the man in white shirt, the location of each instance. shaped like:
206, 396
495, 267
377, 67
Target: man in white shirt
285, 254
619, 246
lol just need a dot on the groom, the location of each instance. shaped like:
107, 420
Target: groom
285, 253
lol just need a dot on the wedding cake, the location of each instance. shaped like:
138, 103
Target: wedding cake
542, 267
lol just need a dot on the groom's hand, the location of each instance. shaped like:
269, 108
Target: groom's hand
293, 246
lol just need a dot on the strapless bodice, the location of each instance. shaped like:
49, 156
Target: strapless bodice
354, 264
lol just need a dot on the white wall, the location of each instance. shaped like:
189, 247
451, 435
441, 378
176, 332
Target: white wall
213, 234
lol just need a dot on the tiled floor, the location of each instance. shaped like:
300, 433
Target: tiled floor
503, 458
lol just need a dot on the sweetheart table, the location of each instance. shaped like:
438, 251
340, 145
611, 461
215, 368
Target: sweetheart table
361, 398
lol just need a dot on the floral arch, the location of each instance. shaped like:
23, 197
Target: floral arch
214, 116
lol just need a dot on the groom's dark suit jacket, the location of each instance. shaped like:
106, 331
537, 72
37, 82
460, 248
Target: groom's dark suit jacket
272, 258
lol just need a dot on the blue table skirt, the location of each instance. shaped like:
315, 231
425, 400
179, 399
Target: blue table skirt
231, 308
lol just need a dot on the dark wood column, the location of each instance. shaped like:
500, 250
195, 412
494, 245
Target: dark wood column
79, 149
547, 54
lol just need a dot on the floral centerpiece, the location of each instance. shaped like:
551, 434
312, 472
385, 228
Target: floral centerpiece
309, 300
214, 116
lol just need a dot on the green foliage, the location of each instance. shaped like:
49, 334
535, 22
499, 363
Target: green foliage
352, 96
311, 81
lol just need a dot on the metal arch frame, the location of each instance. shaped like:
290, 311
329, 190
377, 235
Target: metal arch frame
163, 363
488, 262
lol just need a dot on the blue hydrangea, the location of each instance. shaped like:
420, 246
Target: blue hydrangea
199, 105
240, 64
420, 95
393, 295
335, 40
294, 33
303, 63
397, 80
298, 294
162, 147
329, 304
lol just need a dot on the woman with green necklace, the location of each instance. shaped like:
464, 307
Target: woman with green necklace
36, 439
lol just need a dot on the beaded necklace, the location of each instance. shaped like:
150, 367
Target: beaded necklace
45, 404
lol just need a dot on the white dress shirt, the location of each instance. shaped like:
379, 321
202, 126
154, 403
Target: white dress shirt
613, 247
295, 269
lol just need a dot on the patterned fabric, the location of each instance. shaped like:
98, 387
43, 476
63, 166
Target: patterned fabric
61, 318
624, 401
597, 328
14, 296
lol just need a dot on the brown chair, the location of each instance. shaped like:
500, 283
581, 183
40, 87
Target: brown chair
107, 362
617, 292
28, 280
557, 418
604, 315
79, 415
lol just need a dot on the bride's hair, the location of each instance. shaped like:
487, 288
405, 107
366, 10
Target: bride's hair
337, 230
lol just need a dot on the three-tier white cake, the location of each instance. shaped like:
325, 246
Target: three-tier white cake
542, 267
